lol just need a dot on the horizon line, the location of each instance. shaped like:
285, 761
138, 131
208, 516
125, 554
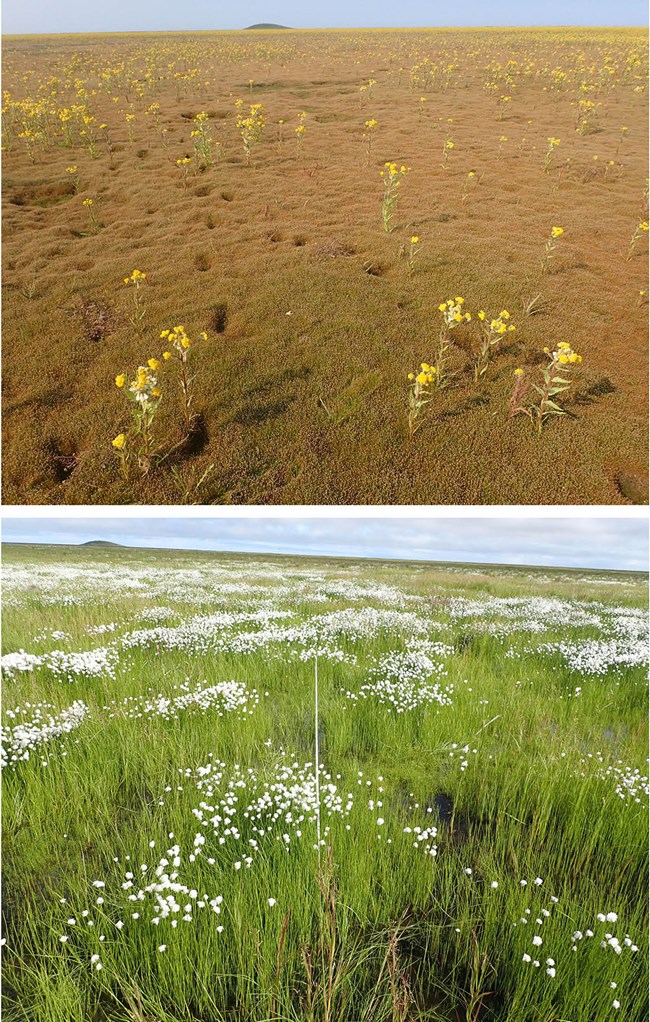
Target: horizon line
326, 556
326, 28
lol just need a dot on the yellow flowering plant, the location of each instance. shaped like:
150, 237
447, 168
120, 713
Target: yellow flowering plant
179, 345
412, 252
368, 135
365, 89
562, 360
419, 394
74, 177
202, 141
453, 317
392, 175
639, 231
469, 182
522, 386
29, 138
87, 131
251, 128
549, 249
137, 282
119, 446
95, 225
300, 132
502, 105
130, 124
144, 392
553, 144
184, 164
447, 150
492, 330
110, 148
153, 111
586, 113
624, 131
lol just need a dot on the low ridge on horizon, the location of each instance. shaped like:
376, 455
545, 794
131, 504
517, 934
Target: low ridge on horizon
432, 561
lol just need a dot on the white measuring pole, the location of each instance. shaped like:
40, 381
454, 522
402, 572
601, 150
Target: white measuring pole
317, 757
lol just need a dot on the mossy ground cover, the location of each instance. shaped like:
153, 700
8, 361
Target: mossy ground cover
313, 321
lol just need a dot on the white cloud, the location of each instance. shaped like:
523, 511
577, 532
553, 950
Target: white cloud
615, 543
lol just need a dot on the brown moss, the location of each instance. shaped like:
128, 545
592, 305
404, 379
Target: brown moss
307, 300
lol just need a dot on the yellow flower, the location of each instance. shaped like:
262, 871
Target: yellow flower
414, 239
164, 333
458, 317
411, 376
563, 359
422, 378
167, 355
481, 315
519, 372
155, 391
556, 232
120, 380
443, 307
204, 335
119, 441
153, 363
426, 367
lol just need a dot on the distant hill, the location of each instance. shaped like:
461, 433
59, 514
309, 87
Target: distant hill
264, 25
101, 543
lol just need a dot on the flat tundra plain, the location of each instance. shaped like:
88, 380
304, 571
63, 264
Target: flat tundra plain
263, 229
482, 791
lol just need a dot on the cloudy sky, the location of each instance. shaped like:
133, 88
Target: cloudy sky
585, 542
165, 15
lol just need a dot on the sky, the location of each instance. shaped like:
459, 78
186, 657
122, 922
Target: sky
590, 542
167, 15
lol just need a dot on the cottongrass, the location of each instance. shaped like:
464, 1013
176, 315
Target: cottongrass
19, 741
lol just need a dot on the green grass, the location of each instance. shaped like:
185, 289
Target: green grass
380, 931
